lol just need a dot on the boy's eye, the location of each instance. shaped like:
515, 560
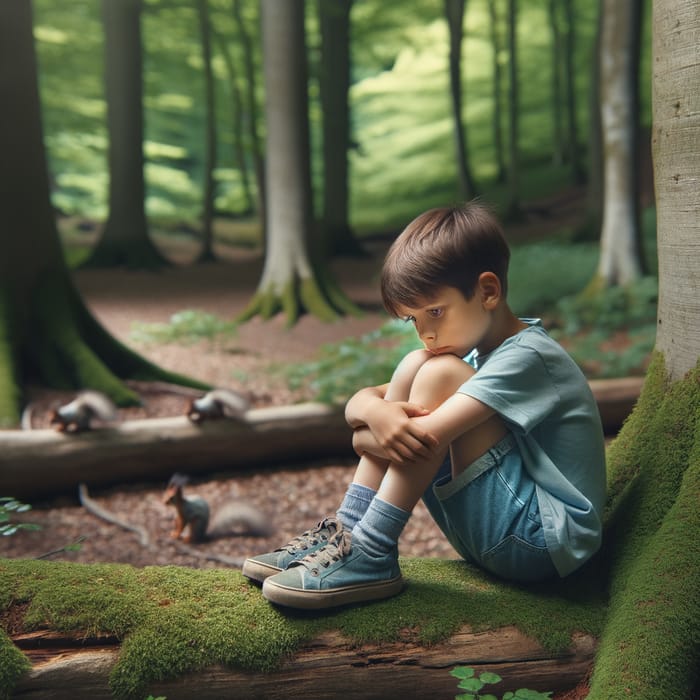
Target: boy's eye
410, 319
435, 313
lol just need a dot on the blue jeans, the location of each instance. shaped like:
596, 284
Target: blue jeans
491, 516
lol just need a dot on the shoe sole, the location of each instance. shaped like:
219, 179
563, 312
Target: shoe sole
258, 571
333, 597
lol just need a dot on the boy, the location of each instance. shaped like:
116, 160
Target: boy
492, 424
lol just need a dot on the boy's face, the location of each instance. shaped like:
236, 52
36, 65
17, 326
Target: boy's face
450, 324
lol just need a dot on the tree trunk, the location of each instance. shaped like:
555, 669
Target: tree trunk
334, 79
208, 194
237, 122
557, 119
513, 211
676, 152
124, 240
454, 12
291, 281
574, 152
46, 333
251, 112
649, 646
494, 26
620, 244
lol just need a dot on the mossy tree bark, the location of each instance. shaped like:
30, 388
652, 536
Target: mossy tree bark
125, 239
294, 277
650, 646
47, 335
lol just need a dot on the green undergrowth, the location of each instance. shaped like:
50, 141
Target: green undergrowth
640, 596
174, 620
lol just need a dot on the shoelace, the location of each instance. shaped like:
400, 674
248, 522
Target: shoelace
339, 545
312, 537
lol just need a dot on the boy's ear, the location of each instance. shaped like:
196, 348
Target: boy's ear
489, 289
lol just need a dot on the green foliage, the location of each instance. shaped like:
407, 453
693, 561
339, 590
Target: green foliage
473, 684
588, 321
343, 368
402, 124
10, 505
185, 327
543, 272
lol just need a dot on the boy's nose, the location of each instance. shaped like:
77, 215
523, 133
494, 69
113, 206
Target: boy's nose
427, 334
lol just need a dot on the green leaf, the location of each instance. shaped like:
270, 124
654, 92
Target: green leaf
466, 696
462, 672
527, 694
471, 684
488, 696
488, 677
509, 695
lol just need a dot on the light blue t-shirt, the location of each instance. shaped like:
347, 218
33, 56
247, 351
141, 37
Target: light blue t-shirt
545, 400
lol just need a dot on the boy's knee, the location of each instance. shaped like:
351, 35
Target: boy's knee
438, 378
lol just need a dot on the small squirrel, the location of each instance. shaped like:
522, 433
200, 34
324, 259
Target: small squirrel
219, 403
192, 512
80, 414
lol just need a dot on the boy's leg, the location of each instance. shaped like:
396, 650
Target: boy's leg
368, 477
364, 566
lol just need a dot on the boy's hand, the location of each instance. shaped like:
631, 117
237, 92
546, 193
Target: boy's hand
401, 439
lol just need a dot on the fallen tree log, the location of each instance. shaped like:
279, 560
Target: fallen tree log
38, 463
45, 462
326, 667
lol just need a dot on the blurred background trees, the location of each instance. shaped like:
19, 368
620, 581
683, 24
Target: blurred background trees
175, 120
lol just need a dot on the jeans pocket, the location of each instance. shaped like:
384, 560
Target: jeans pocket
515, 559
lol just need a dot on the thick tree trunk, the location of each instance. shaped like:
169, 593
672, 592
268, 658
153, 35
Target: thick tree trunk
334, 79
325, 668
620, 247
291, 281
47, 335
676, 151
124, 240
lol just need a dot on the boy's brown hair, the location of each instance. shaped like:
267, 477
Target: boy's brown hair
445, 247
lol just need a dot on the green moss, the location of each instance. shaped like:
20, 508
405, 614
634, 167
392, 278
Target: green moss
641, 595
174, 620
650, 643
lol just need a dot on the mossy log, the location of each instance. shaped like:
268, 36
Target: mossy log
326, 667
42, 462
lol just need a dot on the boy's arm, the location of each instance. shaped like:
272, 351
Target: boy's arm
384, 428
456, 416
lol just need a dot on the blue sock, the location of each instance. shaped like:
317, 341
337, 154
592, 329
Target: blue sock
380, 527
354, 506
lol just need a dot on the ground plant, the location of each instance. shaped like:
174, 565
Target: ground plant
8, 506
473, 684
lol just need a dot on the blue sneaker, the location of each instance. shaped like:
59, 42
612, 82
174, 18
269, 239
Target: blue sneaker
258, 568
337, 574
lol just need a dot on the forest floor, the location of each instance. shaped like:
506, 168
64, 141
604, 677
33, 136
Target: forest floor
292, 497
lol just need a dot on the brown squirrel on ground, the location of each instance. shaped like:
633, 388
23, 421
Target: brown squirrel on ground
218, 403
193, 513
88, 408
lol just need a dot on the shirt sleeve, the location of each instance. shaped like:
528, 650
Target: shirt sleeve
515, 383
